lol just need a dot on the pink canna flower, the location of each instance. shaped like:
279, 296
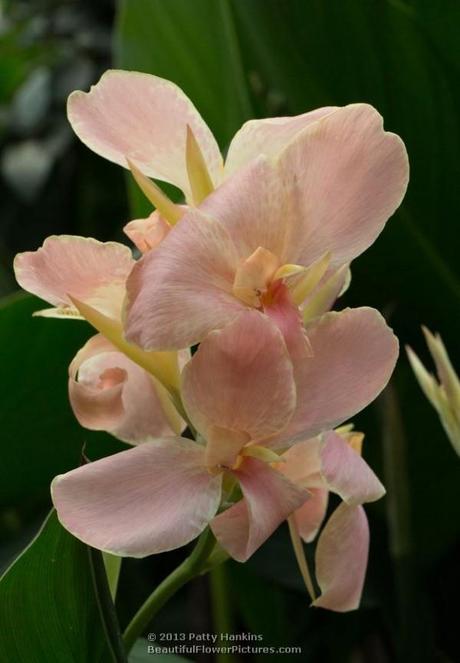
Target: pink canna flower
84, 278
110, 392
249, 403
147, 123
283, 223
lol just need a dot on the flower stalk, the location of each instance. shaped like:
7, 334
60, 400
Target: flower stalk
191, 567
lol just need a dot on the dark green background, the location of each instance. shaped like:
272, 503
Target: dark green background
239, 59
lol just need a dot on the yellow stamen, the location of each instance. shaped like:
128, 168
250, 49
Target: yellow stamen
310, 279
198, 174
288, 270
300, 556
262, 453
157, 197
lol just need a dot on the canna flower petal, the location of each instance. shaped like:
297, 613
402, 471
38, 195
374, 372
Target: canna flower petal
288, 206
310, 516
268, 137
110, 392
147, 233
91, 271
183, 289
144, 118
354, 353
302, 466
351, 176
346, 473
285, 208
241, 379
268, 499
341, 559
152, 498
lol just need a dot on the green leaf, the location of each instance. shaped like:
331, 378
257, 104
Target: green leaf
40, 435
194, 44
55, 604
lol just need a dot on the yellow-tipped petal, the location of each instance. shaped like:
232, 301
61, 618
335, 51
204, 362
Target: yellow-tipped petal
288, 270
320, 301
162, 365
310, 279
62, 312
197, 170
261, 453
300, 556
169, 210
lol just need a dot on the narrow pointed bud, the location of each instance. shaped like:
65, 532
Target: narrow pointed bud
300, 556
446, 373
198, 174
310, 279
169, 210
445, 395
426, 381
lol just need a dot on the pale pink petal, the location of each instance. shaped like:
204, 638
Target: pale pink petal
241, 378
268, 136
309, 517
147, 233
347, 176
268, 499
143, 118
331, 189
302, 461
110, 392
90, 271
183, 289
341, 559
346, 473
287, 317
150, 499
302, 466
256, 208
354, 353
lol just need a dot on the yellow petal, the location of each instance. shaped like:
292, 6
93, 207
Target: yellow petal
62, 312
261, 453
157, 197
197, 171
162, 365
310, 279
319, 302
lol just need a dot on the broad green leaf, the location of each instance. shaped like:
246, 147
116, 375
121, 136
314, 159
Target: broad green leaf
55, 604
40, 435
196, 45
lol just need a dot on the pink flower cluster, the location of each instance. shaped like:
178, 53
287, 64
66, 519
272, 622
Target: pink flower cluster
248, 268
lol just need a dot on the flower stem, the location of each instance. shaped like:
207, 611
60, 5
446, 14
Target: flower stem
221, 608
190, 568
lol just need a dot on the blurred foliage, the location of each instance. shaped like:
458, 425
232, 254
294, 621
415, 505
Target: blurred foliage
238, 59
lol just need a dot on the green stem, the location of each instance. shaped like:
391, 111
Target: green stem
190, 568
221, 607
